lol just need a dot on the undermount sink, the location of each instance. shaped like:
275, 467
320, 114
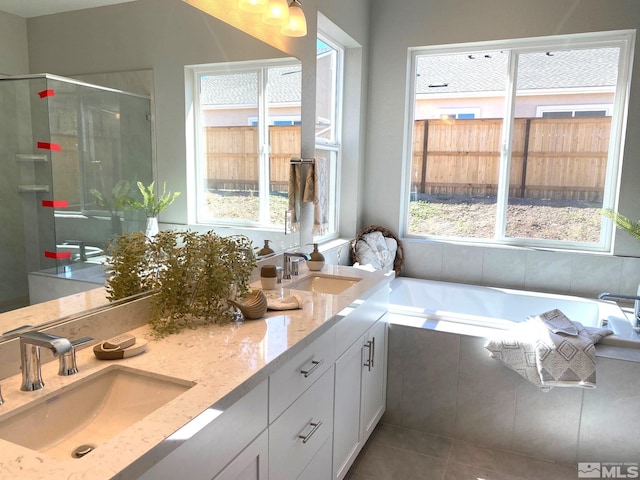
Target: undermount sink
74, 420
322, 283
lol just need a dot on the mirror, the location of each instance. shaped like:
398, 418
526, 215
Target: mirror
144, 46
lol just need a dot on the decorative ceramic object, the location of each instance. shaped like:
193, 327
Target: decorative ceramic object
252, 306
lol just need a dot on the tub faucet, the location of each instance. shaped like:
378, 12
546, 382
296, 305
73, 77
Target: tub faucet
30, 343
635, 322
82, 250
286, 262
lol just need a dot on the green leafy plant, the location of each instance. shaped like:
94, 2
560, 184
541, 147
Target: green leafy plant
193, 275
129, 271
623, 223
119, 199
150, 204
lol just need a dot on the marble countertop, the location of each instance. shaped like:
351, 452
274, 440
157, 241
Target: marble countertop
224, 361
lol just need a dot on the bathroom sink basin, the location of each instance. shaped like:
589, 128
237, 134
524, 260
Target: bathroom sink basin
321, 283
74, 420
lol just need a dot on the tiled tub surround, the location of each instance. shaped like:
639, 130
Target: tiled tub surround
445, 384
225, 362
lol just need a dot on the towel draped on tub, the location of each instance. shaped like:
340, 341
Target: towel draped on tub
550, 350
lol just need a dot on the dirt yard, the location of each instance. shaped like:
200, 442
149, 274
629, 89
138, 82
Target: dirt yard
476, 219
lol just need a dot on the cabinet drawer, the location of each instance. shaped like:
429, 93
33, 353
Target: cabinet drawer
300, 372
299, 433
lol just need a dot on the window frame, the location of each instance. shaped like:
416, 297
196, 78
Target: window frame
623, 39
335, 147
260, 67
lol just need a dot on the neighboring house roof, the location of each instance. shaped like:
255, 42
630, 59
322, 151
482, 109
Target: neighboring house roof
285, 86
487, 71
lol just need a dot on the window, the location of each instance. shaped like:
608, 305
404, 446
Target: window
568, 111
518, 173
247, 130
329, 67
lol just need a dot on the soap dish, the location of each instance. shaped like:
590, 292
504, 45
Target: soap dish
106, 350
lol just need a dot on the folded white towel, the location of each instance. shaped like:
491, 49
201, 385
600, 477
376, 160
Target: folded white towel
289, 303
546, 351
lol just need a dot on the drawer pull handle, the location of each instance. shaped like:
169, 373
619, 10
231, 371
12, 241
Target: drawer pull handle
316, 426
370, 346
314, 364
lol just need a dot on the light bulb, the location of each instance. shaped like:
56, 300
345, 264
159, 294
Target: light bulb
277, 13
253, 6
297, 24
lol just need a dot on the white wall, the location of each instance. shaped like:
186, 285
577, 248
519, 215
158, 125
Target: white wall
396, 27
14, 57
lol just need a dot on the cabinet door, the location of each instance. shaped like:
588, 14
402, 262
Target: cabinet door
374, 378
346, 427
252, 462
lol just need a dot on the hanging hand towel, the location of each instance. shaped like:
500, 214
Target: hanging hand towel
295, 195
320, 196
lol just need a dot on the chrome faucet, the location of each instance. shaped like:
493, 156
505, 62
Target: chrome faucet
286, 262
68, 364
30, 343
635, 322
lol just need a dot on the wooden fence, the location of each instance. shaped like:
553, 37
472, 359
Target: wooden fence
553, 158
232, 158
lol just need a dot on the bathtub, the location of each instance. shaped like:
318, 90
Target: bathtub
477, 310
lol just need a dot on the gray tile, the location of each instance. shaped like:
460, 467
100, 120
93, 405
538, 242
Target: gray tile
459, 471
547, 424
395, 365
430, 381
486, 398
462, 263
413, 441
510, 464
504, 267
593, 274
426, 260
611, 412
548, 271
380, 462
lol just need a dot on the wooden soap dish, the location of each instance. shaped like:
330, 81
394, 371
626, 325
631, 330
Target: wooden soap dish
107, 350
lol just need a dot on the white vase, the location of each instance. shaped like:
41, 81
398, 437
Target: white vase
152, 227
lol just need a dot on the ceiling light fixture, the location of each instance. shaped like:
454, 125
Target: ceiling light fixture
277, 13
253, 6
297, 24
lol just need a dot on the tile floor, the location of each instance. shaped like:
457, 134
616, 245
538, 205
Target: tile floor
394, 453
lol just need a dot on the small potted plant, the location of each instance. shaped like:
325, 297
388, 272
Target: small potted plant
152, 205
116, 201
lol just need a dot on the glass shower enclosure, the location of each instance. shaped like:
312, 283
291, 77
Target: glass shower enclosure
70, 154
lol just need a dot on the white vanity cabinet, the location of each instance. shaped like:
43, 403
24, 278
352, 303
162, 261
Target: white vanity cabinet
360, 386
308, 420
230, 445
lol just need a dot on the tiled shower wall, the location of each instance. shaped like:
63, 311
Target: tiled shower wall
446, 384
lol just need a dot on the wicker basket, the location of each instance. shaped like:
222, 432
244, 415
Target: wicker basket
398, 261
